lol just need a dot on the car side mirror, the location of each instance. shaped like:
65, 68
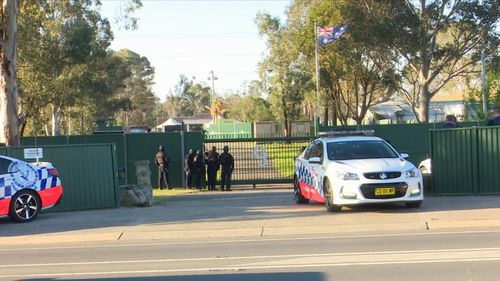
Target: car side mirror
405, 155
315, 160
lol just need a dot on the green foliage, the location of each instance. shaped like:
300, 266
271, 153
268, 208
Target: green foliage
133, 101
250, 109
189, 98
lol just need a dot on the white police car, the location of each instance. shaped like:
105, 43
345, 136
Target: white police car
352, 170
26, 188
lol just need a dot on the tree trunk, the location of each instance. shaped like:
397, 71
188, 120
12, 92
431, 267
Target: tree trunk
9, 121
325, 115
423, 104
56, 129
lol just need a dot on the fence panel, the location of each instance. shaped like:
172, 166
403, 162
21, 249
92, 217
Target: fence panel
488, 168
87, 174
145, 147
117, 139
262, 160
454, 158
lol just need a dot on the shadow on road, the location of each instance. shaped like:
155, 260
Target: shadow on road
292, 276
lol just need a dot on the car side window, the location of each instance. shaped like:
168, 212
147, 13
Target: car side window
4, 166
317, 150
310, 151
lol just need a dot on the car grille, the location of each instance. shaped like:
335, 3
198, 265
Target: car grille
377, 175
368, 190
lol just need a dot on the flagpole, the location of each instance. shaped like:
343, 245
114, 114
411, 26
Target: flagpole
317, 107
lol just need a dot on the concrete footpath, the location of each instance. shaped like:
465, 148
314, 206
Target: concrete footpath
249, 214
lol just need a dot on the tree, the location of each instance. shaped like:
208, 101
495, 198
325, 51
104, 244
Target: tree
284, 78
135, 98
9, 118
191, 97
250, 109
437, 40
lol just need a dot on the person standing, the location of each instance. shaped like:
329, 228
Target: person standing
227, 166
212, 167
198, 168
450, 121
162, 160
496, 117
189, 168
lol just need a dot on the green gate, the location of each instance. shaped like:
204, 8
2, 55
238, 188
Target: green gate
261, 160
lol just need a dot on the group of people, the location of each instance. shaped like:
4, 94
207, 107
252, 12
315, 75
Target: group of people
450, 121
197, 165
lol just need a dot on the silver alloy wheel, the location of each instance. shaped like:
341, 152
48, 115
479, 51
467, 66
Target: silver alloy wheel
25, 206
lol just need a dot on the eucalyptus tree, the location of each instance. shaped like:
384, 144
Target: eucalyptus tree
192, 97
355, 71
284, 77
134, 101
437, 40
11, 114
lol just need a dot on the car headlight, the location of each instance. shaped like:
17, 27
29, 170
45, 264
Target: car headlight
347, 176
412, 173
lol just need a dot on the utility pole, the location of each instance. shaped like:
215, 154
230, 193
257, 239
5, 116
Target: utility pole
213, 78
484, 83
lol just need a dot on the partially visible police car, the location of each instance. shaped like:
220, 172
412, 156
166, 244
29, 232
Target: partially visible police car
26, 189
351, 170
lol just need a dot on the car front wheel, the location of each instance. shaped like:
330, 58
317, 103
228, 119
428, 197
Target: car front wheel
297, 195
25, 206
329, 202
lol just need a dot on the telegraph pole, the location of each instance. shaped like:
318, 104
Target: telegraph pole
484, 84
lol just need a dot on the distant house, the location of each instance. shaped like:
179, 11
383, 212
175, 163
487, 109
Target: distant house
189, 123
393, 112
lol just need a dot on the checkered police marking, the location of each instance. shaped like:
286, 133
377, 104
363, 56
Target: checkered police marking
38, 180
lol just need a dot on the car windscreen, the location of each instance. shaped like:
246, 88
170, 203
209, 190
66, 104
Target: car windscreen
367, 149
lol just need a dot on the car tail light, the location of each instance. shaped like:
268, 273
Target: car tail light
53, 172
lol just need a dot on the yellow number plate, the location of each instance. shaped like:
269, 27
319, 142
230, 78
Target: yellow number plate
385, 191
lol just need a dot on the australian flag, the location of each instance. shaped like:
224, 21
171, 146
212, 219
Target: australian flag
329, 34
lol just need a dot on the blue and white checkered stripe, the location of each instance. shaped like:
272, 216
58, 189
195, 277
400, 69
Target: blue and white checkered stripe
305, 176
45, 181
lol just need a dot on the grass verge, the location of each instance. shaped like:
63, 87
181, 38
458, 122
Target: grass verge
162, 196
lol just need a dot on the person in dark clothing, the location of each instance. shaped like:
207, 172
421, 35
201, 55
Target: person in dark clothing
189, 168
162, 160
496, 117
212, 167
226, 161
450, 121
198, 168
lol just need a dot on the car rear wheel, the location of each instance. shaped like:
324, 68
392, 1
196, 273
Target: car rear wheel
297, 195
25, 206
414, 204
329, 202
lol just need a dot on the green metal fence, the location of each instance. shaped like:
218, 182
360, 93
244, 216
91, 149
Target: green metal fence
87, 174
262, 160
465, 161
136, 147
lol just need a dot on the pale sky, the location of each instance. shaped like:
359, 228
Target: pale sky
194, 37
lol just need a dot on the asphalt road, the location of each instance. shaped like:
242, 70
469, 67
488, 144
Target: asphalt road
258, 235
409, 256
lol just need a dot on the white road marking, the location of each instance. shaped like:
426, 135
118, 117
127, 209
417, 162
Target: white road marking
240, 268
431, 253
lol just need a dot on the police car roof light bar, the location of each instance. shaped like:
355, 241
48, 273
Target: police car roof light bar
345, 133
